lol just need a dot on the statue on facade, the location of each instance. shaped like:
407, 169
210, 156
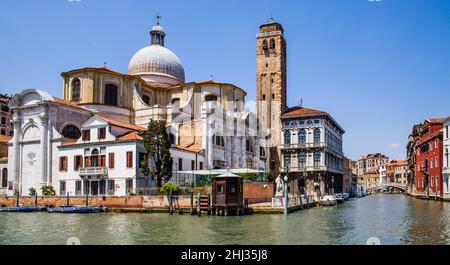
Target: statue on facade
279, 186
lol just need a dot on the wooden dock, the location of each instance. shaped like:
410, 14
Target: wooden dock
266, 208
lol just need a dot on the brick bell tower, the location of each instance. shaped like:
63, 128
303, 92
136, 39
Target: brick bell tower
271, 85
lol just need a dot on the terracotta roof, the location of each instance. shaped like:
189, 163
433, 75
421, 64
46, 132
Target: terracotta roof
69, 103
297, 111
4, 159
122, 124
435, 120
130, 136
192, 149
208, 82
68, 141
4, 138
397, 163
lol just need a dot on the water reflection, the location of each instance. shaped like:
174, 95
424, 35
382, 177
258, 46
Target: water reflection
394, 219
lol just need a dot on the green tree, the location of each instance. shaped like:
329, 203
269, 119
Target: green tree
157, 145
48, 191
32, 191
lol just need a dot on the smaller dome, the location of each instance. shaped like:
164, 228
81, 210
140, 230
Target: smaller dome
158, 28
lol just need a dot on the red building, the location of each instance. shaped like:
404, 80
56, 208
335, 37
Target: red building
429, 159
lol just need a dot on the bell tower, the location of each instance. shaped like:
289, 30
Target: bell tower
271, 84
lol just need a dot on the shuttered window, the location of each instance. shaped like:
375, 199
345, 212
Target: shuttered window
129, 159
111, 160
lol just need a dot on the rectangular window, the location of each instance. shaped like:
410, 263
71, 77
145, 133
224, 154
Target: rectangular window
102, 187
192, 165
103, 161
77, 162
431, 163
78, 187
111, 187
86, 135
436, 162
3, 120
201, 165
87, 161
141, 159
3, 132
180, 164
446, 131
432, 181
129, 186
129, 159
63, 163
62, 188
87, 187
111, 160
101, 133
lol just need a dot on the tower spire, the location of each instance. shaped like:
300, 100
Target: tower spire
158, 18
157, 32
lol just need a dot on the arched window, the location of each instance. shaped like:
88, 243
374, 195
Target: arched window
264, 97
272, 43
317, 136
72, 132
211, 98
111, 94
176, 103
76, 85
264, 45
302, 136
317, 157
287, 159
302, 160
4, 178
446, 158
146, 99
287, 137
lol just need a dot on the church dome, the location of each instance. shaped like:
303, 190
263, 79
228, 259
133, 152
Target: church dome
156, 63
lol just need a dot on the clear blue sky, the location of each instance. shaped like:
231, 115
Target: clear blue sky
376, 67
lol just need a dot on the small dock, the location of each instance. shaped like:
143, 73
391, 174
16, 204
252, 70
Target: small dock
267, 208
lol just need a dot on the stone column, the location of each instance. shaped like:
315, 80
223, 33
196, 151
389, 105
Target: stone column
15, 156
44, 122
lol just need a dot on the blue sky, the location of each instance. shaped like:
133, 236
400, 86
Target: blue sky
376, 67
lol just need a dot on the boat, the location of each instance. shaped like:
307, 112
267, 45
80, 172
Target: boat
78, 209
18, 209
346, 196
328, 200
339, 197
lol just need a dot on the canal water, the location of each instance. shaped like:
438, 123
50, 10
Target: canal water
392, 218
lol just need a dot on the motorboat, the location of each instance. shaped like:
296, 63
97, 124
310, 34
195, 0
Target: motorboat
339, 198
328, 200
346, 196
78, 209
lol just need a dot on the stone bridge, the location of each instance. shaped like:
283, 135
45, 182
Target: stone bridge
398, 186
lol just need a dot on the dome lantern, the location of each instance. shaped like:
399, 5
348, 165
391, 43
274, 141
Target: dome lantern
157, 33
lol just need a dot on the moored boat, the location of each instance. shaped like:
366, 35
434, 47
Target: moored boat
78, 209
328, 200
18, 209
339, 198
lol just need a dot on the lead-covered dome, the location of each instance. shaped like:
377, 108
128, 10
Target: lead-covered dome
156, 63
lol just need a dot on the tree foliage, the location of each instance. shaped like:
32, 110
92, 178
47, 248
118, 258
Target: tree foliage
170, 187
157, 144
48, 191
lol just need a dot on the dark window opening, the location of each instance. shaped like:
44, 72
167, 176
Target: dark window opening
76, 84
72, 132
111, 94
146, 99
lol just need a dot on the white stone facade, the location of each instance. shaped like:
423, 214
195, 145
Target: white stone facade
446, 160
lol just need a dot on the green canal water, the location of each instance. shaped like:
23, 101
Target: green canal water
393, 219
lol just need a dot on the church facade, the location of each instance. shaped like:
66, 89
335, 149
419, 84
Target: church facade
89, 143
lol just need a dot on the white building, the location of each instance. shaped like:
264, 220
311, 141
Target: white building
446, 160
382, 172
207, 123
312, 150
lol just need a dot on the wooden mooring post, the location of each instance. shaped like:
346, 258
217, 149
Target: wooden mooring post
199, 204
192, 203
170, 203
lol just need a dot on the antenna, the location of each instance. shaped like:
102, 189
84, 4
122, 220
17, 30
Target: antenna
271, 18
212, 77
300, 103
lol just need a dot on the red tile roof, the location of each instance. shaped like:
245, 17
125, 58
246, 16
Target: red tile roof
3, 159
192, 149
130, 136
435, 120
297, 111
4, 138
122, 124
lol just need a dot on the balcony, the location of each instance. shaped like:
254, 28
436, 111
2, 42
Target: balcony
96, 172
303, 145
446, 170
306, 169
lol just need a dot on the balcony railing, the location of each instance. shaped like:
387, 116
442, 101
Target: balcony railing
446, 170
93, 171
303, 145
305, 169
